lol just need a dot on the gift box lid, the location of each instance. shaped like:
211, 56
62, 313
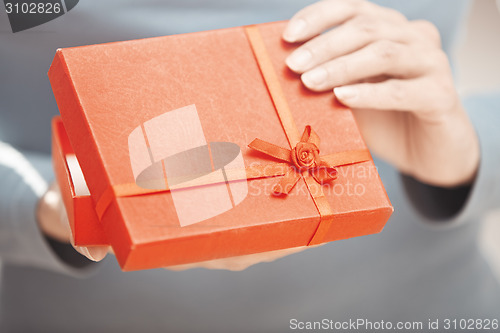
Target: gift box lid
163, 96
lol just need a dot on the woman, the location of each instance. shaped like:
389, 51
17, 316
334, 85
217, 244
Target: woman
390, 69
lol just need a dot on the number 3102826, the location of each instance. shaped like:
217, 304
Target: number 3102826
33, 8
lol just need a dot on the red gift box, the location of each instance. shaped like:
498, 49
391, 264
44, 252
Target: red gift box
164, 130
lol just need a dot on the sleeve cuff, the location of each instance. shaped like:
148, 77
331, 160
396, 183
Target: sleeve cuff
455, 206
26, 178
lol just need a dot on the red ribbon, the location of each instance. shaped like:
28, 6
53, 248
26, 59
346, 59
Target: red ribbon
303, 157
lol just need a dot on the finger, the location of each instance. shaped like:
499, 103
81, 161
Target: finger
428, 31
234, 264
312, 20
394, 94
94, 253
377, 59
347, 38
322, 15
240, 263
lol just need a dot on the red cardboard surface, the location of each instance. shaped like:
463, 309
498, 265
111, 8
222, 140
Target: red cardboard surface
106, 91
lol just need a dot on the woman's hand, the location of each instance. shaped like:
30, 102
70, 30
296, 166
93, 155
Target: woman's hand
54, 223
397, 80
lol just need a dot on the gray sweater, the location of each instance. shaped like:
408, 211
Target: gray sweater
424, 265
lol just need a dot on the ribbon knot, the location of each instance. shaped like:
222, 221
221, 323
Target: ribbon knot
304, 157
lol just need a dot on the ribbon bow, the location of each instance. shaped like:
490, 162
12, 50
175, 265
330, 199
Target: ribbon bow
303, 157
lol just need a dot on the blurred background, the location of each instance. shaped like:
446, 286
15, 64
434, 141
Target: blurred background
477, 58
477, 62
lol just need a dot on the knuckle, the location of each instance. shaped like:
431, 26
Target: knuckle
441, 58
446, 86
339, 69
352, 5
386, 50
366, 26
439, 61
355, 4
429, 30
327, 45
397, 92
445, 94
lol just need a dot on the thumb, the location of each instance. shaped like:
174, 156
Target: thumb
94, 253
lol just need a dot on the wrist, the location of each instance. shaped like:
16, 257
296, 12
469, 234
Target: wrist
464, 151
453, 155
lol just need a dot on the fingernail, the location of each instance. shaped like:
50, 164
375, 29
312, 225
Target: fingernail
295, 30
299, 60
314, 78
97, 253
84, 251
344, 93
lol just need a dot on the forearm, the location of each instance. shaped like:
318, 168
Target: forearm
483, 195
24, 181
